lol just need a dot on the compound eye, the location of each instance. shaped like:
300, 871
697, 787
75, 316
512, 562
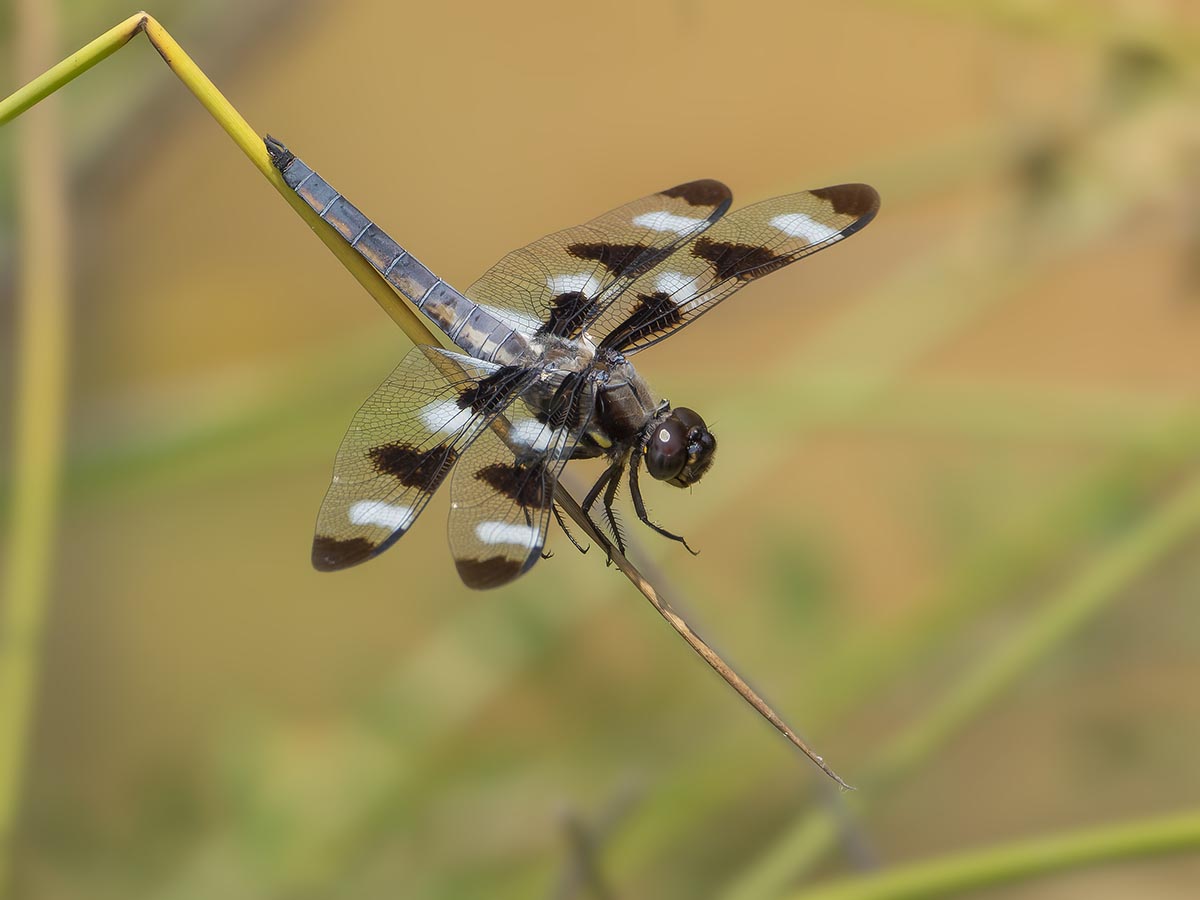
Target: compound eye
689, 418
666, 454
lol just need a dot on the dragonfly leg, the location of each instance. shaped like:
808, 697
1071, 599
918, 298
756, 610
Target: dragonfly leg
610, 497
604, 485
590, 500
639, 505
558, 517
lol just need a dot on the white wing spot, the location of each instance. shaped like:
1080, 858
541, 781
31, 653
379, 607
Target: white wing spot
532, 434
384, 515
676, 285
665, 221
506, 533
582, 282
802, 226
444, 416
664, 436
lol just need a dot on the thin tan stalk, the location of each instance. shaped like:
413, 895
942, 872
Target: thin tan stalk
697, 643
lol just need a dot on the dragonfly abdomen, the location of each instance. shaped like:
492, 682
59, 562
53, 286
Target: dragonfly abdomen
476, 330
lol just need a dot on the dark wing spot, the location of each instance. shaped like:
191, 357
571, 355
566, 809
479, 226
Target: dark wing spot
705, 192
525, 485
653, 313
490, 393
413, 467
329, 554
619, 259
850, 199
744, 261
568, 314
488, 573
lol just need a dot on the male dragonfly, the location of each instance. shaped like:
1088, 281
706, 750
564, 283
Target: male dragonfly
545, 374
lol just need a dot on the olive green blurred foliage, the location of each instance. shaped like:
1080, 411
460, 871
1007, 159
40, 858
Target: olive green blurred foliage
951, 533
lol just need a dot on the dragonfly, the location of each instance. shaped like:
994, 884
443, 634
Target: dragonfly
545, 373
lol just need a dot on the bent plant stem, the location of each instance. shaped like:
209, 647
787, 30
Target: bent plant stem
231, 123
402, 313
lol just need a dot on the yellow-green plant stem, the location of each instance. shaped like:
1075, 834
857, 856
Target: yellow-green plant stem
1019, 862
1078, 602
69, 69
40, 399
252, 145
235, 126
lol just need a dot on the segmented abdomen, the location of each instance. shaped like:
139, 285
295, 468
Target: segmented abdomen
471, 327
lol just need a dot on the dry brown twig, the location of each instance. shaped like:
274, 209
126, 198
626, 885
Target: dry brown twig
685, 631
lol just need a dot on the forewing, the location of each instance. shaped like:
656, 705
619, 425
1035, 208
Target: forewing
503, 487
746, 244
401, 445
552, 285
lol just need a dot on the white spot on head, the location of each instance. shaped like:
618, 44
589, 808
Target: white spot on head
679, 287
665, 221
664, 435
802, 226
383, 515
581, 282
507, 533
444, 416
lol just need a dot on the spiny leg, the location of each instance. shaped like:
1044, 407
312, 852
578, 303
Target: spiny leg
558, 517
639, 505
611, 476
610, 497
592, 495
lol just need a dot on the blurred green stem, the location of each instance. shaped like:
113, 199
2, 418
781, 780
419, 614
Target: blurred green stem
40, 398
1019, 862
1059, 618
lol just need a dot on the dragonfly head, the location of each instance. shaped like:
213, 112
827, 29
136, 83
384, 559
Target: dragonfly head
681, 448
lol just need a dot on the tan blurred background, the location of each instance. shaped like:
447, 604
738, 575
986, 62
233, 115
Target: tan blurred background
939, 536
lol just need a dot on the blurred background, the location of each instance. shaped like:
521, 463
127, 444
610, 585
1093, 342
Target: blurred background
951, 535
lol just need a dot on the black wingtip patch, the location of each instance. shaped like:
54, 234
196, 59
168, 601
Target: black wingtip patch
858, 200
330, 554
495, 571
281, 156
704, 192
